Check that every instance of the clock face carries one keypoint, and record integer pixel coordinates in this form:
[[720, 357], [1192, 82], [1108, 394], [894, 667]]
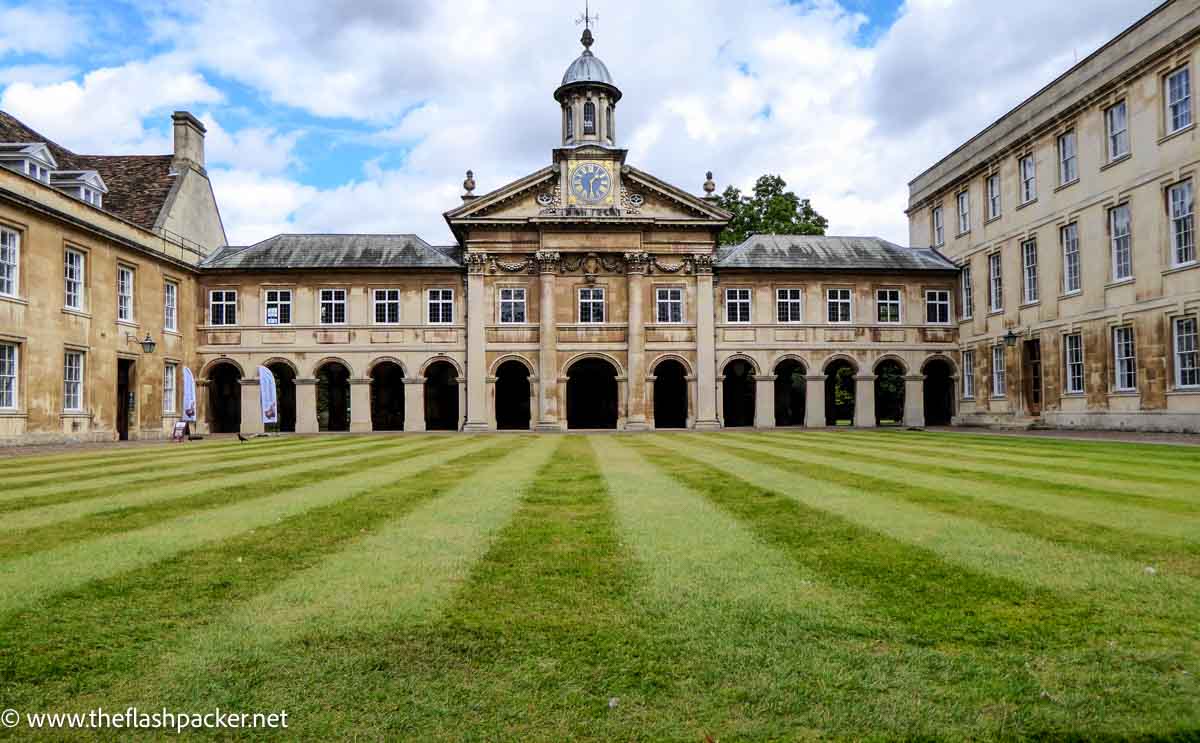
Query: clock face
[[590, 182]]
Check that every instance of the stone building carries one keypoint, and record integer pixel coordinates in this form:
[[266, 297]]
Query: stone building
[[1072, 218]]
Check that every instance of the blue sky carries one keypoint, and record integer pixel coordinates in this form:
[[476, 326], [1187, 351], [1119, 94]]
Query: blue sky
[[363, 116]]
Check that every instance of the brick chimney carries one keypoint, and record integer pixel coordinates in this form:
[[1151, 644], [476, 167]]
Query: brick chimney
[[189, 141]]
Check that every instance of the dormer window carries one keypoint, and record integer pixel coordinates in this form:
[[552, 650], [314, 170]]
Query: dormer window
[[37, 172], [589, 118], [31, 159], [92, 197], [85, 185]]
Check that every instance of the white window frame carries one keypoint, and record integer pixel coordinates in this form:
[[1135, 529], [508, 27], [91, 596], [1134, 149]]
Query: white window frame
[[1073, 369], [10, 376], [171, 306], [10, 262], [281, 305], [999, 372], [443, 299], [995, 283], [789, 304], [594, 299], [938, 222], [1068, 238], [1177, 93], [1029, 271], [73, 376], [889, 298], [74, 279], [1121, 244], [1186, 337], [967, 292], [1116, 131], [668, 305], [844, 298], [228, 301], [515, 298], [334, 298], [1068, 157], [386, 299], [1181, 202], [964, 212], [968, 375], [994, 196], [1027, 167], [738, 298], [125, 282], [169, 387], [939, 301], [1124, 359]]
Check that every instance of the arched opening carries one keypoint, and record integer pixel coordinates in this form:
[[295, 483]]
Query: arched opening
[[939, 392], [387, 397], [839, 393], [670, 395], [738, 393], [512, 396], [224, 399], [441, 397], [789, 393], [333, 397], [285, 396], [592, 394], [889, 393], [589, 118]]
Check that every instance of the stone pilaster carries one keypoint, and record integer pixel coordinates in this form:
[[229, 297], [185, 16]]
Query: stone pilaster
[[476, 413], [764, 400], [546, 414], [914, 401], [306, 406], [706, 351], [201, 425], [414, 404], [360, 406], [864, 401], [252, 422], [814, 401], [635, 268]]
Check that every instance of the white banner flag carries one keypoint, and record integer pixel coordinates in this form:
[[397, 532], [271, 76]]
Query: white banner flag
[[266, 391], [189, 396]]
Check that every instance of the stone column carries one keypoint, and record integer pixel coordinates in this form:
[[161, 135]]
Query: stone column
[[814, 401], [623, 393], [764, 400], [476, 412], [635, 266], [706, 350], [864, 401], [546, 412], [201, 424], [414, 403], [360, 406], [648, 389], [306, 406], [462, 401], [252, 421], [914, 401], [691, 390]]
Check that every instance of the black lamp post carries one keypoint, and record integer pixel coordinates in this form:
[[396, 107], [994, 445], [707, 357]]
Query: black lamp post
[[147, 343], [1010, 339]]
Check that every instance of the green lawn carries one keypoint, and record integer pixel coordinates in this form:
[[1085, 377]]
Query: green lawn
[[743, 586]]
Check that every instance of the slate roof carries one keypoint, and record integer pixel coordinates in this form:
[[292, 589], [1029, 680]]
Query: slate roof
[[828, 253], [335, 251], [138, 185]]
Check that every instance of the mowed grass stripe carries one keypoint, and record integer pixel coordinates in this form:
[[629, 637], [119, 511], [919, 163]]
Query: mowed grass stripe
[[231, 451], [1147, 470], [1123, 452], [1017, 577], [29, 579], [150, 609], [403, 572], [1167, 498], [52, 527], [155, 479], [1135, 534]]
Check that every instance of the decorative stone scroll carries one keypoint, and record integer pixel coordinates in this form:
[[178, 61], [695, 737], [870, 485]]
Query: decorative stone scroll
[[631, 203], [477, 262], [638, 263], [547, 261]]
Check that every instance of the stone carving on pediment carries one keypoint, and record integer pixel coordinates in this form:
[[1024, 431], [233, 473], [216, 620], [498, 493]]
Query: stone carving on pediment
[[591, 264], [631, 201], [550, 200]]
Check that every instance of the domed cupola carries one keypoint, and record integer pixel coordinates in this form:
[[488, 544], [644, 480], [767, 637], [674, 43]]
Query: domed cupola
[[588, 98]]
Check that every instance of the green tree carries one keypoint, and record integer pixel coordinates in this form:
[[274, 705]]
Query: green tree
[[771, 210]]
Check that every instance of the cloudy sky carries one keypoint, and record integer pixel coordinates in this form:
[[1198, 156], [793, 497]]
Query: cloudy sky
[[362, 116]]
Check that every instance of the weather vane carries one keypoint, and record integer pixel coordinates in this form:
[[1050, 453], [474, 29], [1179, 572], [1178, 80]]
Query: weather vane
[[587, 19]]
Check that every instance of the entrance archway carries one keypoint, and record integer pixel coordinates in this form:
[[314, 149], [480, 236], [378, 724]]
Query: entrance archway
[[737, 393], [285, 395], [670, 395], [387, 397], [592, 394], [441, 397], [939, 392], [512, 396], [789, 393], [224, 399], [839, 393], [333, 397], [889, 393]]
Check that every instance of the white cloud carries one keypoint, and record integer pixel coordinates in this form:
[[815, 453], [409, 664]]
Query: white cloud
[[259, 149], [36, 74], [44, 31]]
